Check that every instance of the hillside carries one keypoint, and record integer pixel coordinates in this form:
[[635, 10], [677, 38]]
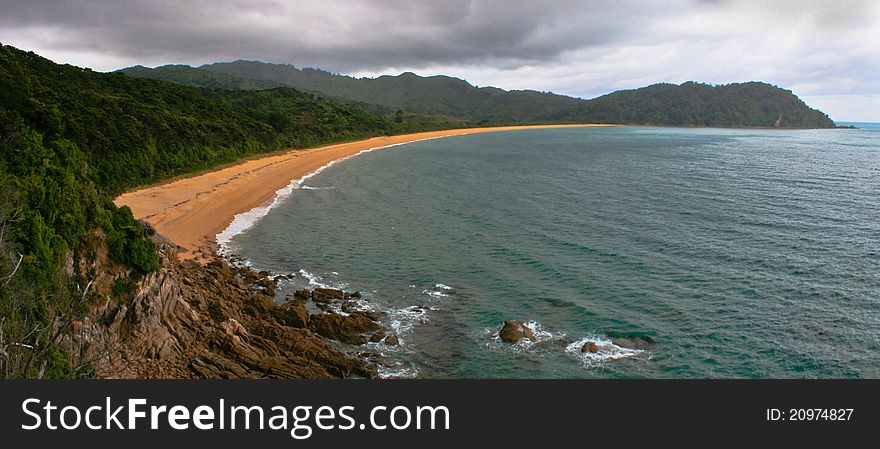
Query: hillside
[[750, 104], [72, 139], [190, 76]]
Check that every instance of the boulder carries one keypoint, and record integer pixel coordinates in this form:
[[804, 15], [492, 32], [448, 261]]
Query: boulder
[[348, 306], [590, 347], [350, 328], [327, 294], [303, 294], [515, 330], [294, 314], [266, 283], [633, 342], [374, 315], [392, 340]]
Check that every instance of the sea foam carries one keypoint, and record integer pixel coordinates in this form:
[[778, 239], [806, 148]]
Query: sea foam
[[606, 351]]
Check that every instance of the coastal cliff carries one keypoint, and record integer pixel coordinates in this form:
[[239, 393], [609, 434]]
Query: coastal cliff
[[200, 321], [85, 291]]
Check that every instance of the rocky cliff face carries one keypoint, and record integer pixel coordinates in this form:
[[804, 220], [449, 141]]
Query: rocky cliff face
[[192, 321]]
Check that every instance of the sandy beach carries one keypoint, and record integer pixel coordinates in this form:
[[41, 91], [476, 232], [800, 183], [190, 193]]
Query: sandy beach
[[192, 211]]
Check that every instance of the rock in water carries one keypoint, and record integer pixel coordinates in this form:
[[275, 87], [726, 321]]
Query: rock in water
[[633, 342], [327, 294], [590, 347], [352, 328], [515, 330], [392, 340], [303, 294]]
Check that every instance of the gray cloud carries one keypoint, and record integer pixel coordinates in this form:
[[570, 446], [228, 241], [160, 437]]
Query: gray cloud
[[338, 35], [821, 49]]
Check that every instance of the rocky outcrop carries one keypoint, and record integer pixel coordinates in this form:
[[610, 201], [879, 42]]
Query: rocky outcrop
[[294, 313], [631, 341], [354, 328], [212, 321], [514, 331], [324, 298]]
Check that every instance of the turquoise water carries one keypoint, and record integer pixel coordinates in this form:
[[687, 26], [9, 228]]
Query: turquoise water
[[744, 253]]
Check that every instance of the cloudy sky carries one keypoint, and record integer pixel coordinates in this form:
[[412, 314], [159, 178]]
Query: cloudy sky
[[825, 51]]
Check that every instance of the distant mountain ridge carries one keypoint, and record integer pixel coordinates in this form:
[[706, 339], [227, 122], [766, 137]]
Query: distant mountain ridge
[[751, 104]]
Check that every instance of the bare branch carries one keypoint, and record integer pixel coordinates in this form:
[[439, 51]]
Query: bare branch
[[18, 264], [86, 292]]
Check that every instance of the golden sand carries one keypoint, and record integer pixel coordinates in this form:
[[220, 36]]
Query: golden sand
[[192, 211]]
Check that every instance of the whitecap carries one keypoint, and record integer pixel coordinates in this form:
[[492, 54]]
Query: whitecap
[[400, 321], [314, 280], [607, 351], [399, 371], [435, 294], [542, 335]]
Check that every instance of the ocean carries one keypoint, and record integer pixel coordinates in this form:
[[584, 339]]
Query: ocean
[[742, 253]]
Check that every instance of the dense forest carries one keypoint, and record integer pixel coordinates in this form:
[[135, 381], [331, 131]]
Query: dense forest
[[190, 76], [751, 104], [71, 139], [693, 104]]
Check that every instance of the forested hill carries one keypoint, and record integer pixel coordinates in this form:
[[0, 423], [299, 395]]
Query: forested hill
[[751, 104], [436, 95], [71, 139], [190, 76]]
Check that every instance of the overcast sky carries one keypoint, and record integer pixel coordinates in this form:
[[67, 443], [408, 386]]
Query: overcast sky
[[827, 52]]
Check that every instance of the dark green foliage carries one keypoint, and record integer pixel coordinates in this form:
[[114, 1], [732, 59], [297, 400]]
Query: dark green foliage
[[128, 243], [433, 96], [689, 104], [693, 104], [72, 139], [189, 76]]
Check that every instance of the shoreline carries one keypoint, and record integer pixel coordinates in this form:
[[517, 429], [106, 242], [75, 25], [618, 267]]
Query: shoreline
[[193, 212]]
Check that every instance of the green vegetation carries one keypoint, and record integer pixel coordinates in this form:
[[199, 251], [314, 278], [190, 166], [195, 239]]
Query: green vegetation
[[189, 76], [72, 139], [688, 104], [693, 104]]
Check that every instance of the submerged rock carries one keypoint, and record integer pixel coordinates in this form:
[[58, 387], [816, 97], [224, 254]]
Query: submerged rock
[[515, 330], [631, 341]]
